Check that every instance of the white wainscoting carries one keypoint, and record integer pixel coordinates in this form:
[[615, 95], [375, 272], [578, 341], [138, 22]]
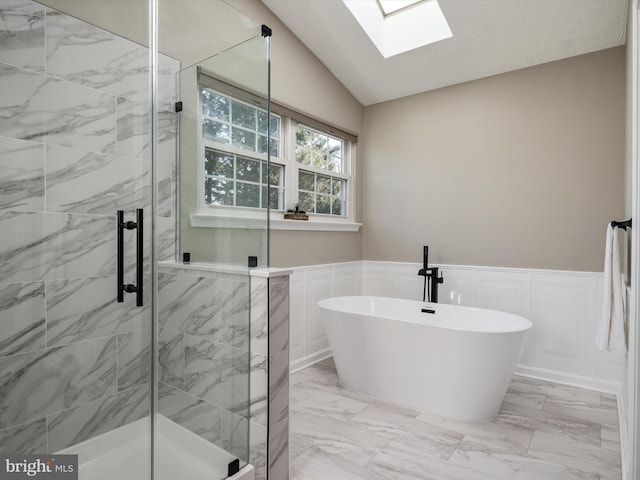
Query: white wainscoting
[[307, 286], [562, 305]]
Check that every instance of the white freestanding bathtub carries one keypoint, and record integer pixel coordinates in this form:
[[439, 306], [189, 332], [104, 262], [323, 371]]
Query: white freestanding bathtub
[[456, 362]]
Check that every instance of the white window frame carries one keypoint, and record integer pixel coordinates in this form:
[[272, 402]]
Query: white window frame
[[227, 216], [204, 143], [295, 167]]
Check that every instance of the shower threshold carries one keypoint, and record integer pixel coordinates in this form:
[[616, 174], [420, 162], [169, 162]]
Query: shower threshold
[[124, 454]]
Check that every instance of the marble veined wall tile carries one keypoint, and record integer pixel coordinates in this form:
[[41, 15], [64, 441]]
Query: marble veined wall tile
[[134, 135], [236, 305], [171, 357], [22, 327], [134, 358], [258, 449], [43, 109], [134, 141], [192, 413], [189, 304], [258, 389], [259, 304], [22, 34], [22, 180], [38, 246], [87, 55], [278, 387], [39, 383], [168, 69], [166, 238], [86, 182], [81, 423], [278, 315], [217, 373], [167, 160], [279, 450], [27, 438], [234, 431], [84, 308]]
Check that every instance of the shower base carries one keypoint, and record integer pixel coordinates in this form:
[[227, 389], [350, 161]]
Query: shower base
[[123, 454]]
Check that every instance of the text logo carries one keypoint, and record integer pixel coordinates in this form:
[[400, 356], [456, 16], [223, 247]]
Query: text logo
[[51, 467]]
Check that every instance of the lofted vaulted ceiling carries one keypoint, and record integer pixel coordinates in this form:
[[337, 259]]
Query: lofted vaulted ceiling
[[489, 37]]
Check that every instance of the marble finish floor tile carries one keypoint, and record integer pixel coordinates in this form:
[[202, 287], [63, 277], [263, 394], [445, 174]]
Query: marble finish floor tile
[[309, 398], [553, 423], [544, 431], [352, 442], [610, 437]]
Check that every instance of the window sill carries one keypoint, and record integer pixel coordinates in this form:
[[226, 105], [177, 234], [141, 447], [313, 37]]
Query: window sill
[[249, 220]]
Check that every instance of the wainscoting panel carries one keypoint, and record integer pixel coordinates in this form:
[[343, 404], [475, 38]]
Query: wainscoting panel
[[562, 312], [563, 306], [297, 311], [320, 284]]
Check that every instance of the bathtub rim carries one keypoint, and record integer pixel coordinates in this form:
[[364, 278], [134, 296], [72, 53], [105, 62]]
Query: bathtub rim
[[322, 305]]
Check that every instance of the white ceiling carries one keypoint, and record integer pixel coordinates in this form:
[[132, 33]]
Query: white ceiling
[[489, 37]]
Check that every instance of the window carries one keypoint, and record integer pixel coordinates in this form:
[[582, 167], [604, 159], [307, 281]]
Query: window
[[310, 165], [319, 156], [234, 135]]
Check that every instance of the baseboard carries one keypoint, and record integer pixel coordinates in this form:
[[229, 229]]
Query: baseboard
[[309, 360], [625, 452], [590, 383]]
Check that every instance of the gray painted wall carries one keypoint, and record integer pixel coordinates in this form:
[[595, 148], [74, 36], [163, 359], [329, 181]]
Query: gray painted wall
[[522, 169]]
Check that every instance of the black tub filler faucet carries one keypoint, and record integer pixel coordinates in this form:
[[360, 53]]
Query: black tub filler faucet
[[430, 273]]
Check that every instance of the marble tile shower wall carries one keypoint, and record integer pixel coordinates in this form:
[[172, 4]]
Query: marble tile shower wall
[[74, 147], [204, 356]]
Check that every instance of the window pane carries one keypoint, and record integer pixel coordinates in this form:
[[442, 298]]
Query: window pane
[[338, 186], [335, 147], [323, 204], [262, 122], [334, 164], [248, 195], [218, 132], [275, 148], [323, 184], [262, 145], [303, 139], [306, 181], [214, 105], [218, 192], [275, 194], [319, 150], [248, 169], [275, 174], [243, 115], [336, 206], [306, 201], [218, 163], [302, 155], [274, 127], [244, 139]]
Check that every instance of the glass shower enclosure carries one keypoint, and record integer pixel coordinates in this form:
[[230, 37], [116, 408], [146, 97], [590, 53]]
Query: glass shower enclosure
[[111, 349]]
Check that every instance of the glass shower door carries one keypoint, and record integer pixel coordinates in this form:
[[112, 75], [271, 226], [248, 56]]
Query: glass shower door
[[74, 149]]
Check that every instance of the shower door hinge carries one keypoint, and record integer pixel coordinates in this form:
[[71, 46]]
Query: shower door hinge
[[266, 31], [233, 468], [178, 107]]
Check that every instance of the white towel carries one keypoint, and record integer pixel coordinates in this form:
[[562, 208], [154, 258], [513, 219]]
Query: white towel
[[611, 334]]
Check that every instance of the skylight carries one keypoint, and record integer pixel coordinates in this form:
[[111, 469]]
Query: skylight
[[395, 28], [392, 6]]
